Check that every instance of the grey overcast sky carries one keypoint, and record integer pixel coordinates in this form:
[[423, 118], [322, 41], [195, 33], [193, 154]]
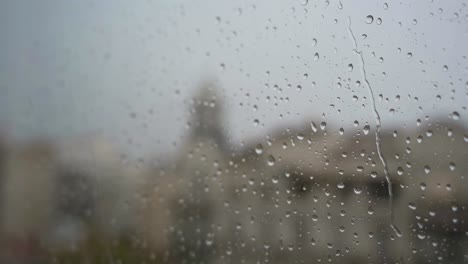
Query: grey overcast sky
[[127, 69]]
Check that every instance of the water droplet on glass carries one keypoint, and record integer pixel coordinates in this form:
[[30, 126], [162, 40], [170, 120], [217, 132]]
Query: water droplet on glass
[[316, 56], [369, 19], [357, 190], [323, 125], [271, 160], [452, 166], [350, 67], [259, 149], [427, 169], [313, 126], [366, 129]]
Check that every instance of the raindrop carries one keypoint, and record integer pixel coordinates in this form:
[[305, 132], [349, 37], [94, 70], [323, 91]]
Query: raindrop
[[366, 129], [445, 68], [300, 136], [350, 67], [275, 179], [313, 126], [422, 185], [452, 166], [421, 236], [316, 56], [369, 19], [259, 149], [427, 169], [357, 190], [323, 125], [271, 160]]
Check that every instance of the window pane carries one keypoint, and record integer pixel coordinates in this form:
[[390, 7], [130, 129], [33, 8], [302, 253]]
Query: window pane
[[233, 132]]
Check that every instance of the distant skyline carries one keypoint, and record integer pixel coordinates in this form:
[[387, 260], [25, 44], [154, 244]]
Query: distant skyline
[[129, 69]]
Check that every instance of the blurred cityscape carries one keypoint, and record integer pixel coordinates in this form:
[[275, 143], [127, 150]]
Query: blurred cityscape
[[314, 193]]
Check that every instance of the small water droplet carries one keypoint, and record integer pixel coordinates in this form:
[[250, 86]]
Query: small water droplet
[[323, 125], [316, 56], [452, 166], [357, 190], [271, 160], [259, 149], [366, 129], [313, 126], [427, 169]]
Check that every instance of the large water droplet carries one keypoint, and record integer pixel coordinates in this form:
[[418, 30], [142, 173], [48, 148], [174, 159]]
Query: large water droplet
[[369, 19]]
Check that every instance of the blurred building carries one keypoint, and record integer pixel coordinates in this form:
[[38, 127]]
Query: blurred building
[[315, 192], [55, 198]]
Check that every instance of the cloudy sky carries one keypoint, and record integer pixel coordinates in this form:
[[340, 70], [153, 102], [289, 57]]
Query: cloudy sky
[[127, 69]]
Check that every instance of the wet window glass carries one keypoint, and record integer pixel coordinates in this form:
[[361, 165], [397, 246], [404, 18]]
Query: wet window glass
[[302, 131]]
